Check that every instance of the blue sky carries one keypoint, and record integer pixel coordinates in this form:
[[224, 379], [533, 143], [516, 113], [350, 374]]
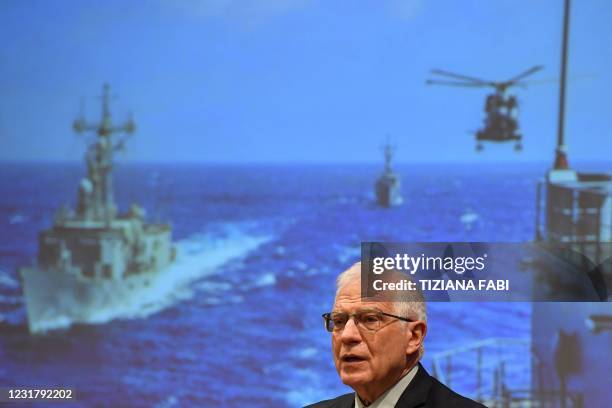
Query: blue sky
[[245, 81]]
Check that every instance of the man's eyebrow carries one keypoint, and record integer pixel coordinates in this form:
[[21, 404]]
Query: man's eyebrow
[[360, 310], [369, 309]]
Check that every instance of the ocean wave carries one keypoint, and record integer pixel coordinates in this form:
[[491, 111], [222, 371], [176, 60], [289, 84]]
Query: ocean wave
[[267, 279], [170, 401], [56, 322], [306, 353], [223, 300], [12, 319], [8, 281], [17, 218], [10, 300], [469, 217], [315, 390]]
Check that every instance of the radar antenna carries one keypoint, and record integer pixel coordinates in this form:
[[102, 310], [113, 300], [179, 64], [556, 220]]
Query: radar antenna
[[388, 151], [96, 202]]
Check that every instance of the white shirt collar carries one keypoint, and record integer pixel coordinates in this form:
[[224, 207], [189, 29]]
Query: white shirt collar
[[393, 394]]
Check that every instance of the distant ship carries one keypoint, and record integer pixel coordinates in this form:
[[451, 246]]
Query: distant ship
[[94, 259], [388, 185]]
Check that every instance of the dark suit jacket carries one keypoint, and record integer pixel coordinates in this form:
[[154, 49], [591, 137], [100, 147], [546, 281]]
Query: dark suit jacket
[[423, 391]]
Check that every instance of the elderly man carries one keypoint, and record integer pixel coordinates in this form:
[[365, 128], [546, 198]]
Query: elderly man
[[377, 344]]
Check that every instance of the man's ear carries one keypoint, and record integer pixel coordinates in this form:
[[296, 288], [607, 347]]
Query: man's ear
[[416, 336]]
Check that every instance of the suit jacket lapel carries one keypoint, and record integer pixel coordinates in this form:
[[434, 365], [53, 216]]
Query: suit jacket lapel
[[417, 391], [349, 403], [345, 401]]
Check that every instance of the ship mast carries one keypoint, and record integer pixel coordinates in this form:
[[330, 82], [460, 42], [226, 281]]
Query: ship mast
[[96, 201], [561, 162], [388, 151]]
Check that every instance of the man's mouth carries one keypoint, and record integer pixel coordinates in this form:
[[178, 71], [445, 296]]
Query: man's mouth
[[352, 358]]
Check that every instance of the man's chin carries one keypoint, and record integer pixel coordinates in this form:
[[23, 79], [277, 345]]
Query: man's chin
[[352, 377]]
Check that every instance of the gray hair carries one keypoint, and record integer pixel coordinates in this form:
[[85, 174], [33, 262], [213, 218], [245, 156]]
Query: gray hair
[[409, 304]]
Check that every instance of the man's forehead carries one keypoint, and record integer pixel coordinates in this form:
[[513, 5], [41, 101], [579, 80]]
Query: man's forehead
[[356, 301], [350, 294]]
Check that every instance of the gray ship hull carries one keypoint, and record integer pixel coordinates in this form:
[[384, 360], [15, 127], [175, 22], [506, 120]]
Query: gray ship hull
[[388, 191], [57, 299]]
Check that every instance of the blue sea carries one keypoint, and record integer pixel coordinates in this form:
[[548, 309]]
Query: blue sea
[[259, 246]]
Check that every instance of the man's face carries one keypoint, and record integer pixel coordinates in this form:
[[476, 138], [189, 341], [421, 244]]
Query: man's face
[[368, 360]]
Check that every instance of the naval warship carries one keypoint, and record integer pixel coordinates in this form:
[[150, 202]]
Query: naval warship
[[388, 185], [93, 258]]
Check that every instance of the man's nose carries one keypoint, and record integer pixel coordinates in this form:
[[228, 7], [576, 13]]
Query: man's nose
[[351, 333]]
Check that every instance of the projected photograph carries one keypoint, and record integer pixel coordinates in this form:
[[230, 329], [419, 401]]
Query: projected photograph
[[192, 194]]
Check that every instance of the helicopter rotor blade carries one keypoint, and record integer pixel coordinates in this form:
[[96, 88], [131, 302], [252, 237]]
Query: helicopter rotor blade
[[525, 84], [453, 83], [522, 75], [553, 80], [458, 76]]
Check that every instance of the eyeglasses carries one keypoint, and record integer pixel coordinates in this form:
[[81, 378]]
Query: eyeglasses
[[369, 319]]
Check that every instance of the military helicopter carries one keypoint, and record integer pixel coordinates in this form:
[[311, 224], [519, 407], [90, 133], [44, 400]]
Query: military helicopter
[[501, 122]]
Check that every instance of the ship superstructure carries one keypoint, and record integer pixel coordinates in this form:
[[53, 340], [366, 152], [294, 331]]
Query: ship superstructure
[[94, 258], [576, 213]]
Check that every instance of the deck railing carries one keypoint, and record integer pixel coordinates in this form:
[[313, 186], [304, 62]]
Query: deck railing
[[578, 217], [497, 373]]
